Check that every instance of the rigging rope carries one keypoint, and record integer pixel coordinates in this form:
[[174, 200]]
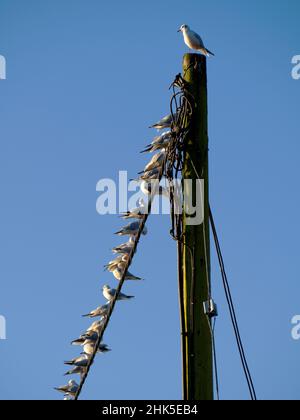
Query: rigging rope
[[231, 306], [232, 311]]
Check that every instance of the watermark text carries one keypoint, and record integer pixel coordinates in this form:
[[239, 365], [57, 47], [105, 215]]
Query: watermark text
[[296, 68], [186, 195], [296, 327]]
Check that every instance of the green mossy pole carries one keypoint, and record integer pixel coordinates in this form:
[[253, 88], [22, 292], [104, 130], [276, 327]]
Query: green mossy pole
[[196, 249]]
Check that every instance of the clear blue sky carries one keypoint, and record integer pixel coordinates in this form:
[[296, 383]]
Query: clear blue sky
[[84, 81]]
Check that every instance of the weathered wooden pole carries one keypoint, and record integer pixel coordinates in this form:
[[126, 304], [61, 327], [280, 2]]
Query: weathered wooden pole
[[198, 381]]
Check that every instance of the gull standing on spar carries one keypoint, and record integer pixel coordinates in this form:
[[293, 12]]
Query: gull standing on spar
[[193, 40]]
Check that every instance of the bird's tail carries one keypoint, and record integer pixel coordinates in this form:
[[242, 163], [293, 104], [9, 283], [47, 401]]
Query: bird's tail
[[76, 342], [70, 372], [147, 149], [60, 390], [209, 52]]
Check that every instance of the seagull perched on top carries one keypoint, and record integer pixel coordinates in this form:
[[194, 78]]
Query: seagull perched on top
[[193, 40]]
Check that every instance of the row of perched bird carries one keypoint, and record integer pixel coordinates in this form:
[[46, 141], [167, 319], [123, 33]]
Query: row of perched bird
[[149, 179]]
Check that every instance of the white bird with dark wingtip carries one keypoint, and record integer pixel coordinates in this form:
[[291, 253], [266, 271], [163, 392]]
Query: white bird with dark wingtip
[[136, 213], [96, 326], [89, 348], [109, 294], [159, 142], [165, 122], [100, 311], [132, 229], [77, 370], [119, 271], [153, 174], [124, 249], [156, 162], [70, 389], [89, 335], [112, 265], [81, 361], [193, 40]]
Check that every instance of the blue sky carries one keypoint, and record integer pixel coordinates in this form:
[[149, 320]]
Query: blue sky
[[84, 81]]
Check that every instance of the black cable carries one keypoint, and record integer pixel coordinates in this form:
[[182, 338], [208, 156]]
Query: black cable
[[215, 360], [232, 311], [233, 316], [181, 306]]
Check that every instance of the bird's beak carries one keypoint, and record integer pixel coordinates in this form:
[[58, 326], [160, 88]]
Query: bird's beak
[[179, 30]]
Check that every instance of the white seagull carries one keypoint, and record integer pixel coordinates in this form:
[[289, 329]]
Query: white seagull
[[159, 142], [112, 265], [101, 311], [119, 271], [81, 361], [109, 294], [149, 175], [89, 348], [132, 229], [89, 335], [77, 370], [156, 161], [70, 389], [96, 326], [136, 213], [194, 41], [124, 249], [165, 122]]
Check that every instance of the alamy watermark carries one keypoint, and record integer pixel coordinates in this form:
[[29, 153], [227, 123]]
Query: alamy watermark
[[114, 197], [2, 67], [296, 68], [2, 328]]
